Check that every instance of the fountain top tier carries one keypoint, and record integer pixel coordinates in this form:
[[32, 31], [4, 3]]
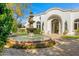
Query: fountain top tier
[[31, 21]]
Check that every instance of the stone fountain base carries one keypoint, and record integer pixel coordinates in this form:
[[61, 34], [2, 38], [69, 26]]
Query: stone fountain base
[[31, 35]]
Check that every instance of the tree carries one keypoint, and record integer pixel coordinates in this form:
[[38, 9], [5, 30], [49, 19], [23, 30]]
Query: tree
[[6, 21], [17, 8], [14, 26]]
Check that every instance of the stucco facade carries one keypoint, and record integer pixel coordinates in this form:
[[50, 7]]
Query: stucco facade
[[56, 20]]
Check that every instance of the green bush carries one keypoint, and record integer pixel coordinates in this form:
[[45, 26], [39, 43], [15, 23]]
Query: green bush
[[34, 30], [31, 30], [37, 31], [6, 20], [21, 31]]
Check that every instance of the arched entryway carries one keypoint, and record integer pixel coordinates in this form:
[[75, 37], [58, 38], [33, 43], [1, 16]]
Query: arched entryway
[[56, 24]]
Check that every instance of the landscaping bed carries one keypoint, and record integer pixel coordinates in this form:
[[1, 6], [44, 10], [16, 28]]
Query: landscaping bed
[[30, 44]]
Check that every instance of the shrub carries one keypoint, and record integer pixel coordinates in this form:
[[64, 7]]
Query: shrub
[[37, 31], [21, 31], [34, 30], [31, 30], [6, 20], [77, 31]]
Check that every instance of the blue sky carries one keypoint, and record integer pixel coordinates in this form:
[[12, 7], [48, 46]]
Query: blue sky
[[42, 7]]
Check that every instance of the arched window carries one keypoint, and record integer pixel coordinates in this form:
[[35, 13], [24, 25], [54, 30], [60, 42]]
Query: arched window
[[39, 25], [66, 26], [76, 24]]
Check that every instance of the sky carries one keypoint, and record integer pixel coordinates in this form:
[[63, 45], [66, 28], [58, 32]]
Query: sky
[[37, 8]]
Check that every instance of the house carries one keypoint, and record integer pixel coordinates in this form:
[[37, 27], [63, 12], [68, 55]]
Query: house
[[56, 20]]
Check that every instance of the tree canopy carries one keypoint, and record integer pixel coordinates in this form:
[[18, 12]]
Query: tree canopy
[[6, 21], [17, 7]]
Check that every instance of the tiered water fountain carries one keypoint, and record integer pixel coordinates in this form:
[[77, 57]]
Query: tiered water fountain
[[33, 40]]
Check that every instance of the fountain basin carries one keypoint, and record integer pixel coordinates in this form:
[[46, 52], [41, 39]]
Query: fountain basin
[[37, 41], [35, 37]]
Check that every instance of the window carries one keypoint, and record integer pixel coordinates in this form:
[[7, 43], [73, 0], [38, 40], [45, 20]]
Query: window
[[39, 25], [66, 25], [76, 24]]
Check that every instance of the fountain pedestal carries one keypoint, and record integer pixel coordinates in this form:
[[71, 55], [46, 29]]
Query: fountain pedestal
[[31, 35], [31, 28]]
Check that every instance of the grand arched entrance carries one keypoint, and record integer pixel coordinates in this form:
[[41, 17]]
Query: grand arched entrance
[[56, 24]]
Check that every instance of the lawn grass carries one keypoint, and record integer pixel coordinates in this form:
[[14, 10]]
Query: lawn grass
[[21, 33], [71, 37]]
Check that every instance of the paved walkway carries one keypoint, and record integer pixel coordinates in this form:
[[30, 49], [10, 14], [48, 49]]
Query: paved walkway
[[64, 47]]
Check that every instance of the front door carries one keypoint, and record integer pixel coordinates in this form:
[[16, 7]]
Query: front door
[[55, 26]]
